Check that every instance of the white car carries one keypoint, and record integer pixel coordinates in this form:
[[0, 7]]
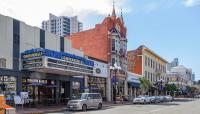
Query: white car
[[142, 100], [168, 98], [85, 101]]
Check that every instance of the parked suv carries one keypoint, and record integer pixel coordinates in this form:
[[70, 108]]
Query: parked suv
[[85, 101]]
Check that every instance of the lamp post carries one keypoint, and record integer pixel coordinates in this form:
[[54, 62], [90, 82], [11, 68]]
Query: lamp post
[[114, 68]]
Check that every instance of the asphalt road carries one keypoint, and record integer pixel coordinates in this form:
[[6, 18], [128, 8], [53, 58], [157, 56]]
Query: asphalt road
[[181, 106]]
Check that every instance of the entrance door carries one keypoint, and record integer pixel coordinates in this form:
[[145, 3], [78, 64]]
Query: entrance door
[[65, 89]]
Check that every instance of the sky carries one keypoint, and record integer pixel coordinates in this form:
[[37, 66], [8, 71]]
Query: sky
[[171, 28]]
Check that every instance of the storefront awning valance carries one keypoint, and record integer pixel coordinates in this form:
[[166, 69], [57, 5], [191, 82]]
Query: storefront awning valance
[[134, 84]]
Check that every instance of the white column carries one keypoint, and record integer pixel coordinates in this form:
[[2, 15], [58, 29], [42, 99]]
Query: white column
[[86, 82], [108, 88], [126, 88], [134, 92], [131, 93]]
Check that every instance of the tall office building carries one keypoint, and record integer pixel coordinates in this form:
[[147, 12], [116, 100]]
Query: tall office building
[[172, 64], [62, 25]]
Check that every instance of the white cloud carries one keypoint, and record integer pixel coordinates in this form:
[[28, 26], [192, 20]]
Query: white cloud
[[190, 3], [34, 11]]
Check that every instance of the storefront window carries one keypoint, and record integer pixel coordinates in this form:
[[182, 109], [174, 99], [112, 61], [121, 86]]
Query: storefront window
[[8, 86], [75, 88], [97, 85], [39, 90]]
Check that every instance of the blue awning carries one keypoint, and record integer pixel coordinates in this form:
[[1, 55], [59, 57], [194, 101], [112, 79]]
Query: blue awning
[[134, 84]]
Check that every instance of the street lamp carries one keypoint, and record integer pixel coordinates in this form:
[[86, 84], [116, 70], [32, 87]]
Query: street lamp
[[114, 68]]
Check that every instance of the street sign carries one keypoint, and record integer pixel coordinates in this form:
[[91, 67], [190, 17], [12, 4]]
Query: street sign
[[114, 80]]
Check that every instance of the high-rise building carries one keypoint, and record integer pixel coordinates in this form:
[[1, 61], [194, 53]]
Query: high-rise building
[[193, 76], [172, 64], [62, 25]]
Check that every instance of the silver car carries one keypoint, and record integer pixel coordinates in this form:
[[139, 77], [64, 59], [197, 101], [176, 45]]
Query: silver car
[[85, 101], [168, 98], [142, 100]]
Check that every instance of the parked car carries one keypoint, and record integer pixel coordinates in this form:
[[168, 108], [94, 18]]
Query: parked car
[[161, 98], [141, 100], [85, 101], [168, 98], [197, 96], [154, 99]]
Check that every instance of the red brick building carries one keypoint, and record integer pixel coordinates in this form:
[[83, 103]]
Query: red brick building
[[96, 42], [135, 61], [106, 42], [147, 63]]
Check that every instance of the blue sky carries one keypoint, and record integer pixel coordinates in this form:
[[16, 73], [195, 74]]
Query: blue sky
[[171, 28]]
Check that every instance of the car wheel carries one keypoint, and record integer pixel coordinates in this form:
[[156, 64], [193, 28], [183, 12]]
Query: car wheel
[[100, 106], [84, 107]]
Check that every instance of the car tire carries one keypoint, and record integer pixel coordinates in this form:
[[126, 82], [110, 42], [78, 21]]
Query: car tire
[[100, 106], [84, 107]]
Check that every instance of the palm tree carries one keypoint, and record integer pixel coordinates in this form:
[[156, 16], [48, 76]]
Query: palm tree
[[145, 85]]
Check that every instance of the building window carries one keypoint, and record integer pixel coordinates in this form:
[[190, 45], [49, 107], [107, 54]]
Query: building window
[[148, 76], [61, 44], [113, 61], [42, 38], [113, 44], [16, 44], [153, 64], [145, 60], [145, 74]]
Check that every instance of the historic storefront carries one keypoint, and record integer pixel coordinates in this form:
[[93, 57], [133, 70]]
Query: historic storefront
[[97, 82], [50, 74], [133, 85]]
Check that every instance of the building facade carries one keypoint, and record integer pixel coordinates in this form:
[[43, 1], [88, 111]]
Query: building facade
[[177, 79], [133, 85], [106, 42], [62, 25], [44, 64], [147, 63], [186, 72], [172, 64]]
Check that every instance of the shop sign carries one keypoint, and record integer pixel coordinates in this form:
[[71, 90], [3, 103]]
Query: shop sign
[[54, 54], [32, 55]]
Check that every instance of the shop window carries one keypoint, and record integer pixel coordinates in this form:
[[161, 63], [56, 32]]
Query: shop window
[[8, 86]]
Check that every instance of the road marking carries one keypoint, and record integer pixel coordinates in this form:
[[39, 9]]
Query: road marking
[[154, 110]]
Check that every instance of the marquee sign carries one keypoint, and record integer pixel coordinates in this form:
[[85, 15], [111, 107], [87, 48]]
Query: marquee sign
[[39, 52]]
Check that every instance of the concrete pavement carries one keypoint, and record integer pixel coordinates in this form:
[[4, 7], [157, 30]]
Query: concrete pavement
[[180, 106]]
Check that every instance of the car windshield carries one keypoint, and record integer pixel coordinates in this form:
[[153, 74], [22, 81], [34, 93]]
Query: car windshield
[[140, 97], [79, 96]]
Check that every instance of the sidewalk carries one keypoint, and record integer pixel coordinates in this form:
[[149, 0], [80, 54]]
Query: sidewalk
[[56, 108], [40, 109]]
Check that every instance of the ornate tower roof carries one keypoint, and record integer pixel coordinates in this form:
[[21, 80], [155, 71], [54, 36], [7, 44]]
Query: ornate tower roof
[[121, 18], [113, 11]]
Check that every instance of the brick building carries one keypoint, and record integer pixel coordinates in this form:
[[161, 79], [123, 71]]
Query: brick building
[[106, 42], [147, 63]]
